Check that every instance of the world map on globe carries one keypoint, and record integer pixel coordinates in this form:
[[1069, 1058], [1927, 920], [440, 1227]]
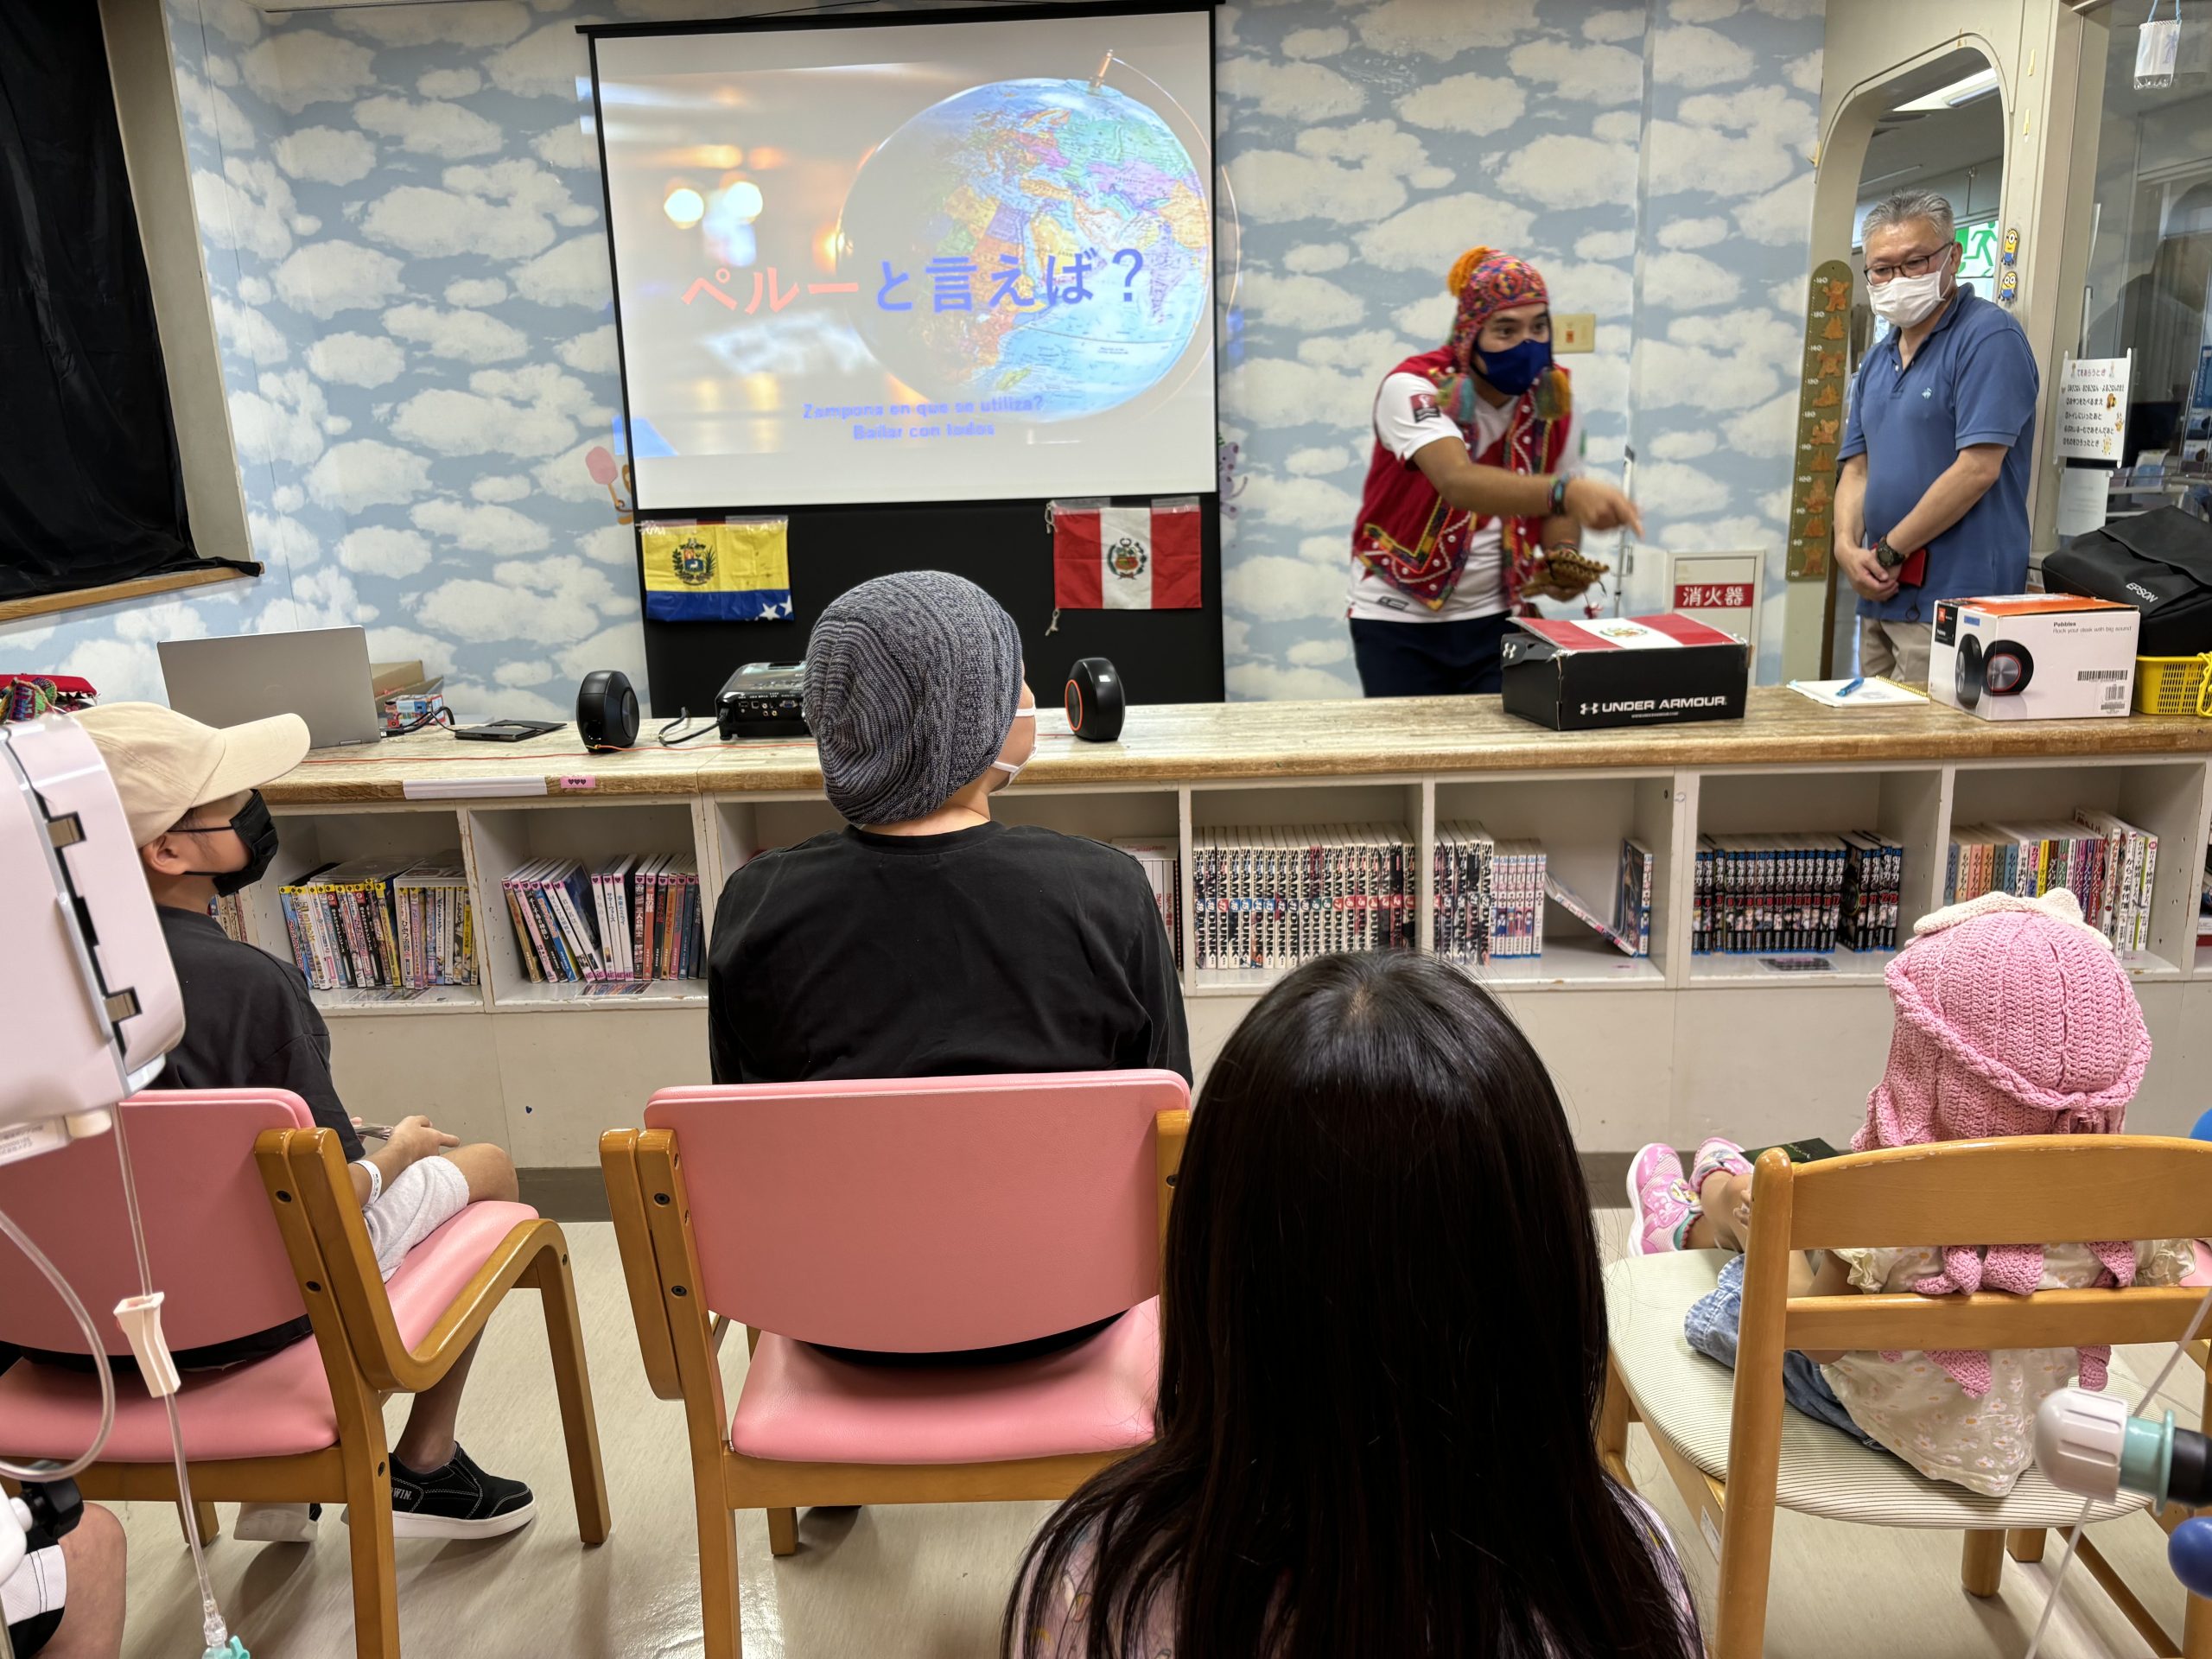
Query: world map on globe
[[1003, 208]]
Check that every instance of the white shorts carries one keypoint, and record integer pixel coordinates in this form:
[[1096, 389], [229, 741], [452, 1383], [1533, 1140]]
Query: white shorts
[[39, 1585], [422, 1197]]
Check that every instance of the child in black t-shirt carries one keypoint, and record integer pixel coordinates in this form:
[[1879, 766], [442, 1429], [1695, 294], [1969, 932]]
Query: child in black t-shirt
[[191, 793], [925, 939]]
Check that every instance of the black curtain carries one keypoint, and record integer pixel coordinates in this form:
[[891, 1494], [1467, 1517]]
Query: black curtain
[[90, 489]]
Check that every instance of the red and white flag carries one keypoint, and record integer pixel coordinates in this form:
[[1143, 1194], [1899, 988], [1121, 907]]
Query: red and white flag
[[1126, 558]]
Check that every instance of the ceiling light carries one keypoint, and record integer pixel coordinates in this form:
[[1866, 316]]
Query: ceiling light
[[1979, 84], [684, 207]]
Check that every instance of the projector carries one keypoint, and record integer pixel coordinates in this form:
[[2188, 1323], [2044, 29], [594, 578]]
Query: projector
[[762, 700]]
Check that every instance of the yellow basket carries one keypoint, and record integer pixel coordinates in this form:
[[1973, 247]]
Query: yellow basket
[[2174, 685]]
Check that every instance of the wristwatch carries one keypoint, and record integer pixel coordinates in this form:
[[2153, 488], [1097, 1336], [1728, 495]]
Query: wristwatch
[[1887, 556]]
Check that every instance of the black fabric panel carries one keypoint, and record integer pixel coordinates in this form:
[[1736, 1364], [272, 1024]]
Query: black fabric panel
[[1004, 548], [89, 490]]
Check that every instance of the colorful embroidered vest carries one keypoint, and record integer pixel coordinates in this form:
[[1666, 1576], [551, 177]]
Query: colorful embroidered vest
[[1413, 539]]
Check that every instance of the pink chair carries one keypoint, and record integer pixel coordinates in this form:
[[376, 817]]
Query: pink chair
[[924, 1216], [250, 1222]]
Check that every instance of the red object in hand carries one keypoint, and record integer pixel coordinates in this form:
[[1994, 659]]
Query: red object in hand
[[1914, 571]]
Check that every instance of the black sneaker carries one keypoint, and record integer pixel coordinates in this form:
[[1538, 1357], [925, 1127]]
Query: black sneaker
[[458, 1501]]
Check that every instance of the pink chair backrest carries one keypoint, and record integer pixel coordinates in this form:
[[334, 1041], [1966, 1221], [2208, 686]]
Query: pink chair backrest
[[926, 1215], [217, 1256]]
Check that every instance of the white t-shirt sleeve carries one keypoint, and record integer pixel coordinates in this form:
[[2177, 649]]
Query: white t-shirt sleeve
[[1408, 416], [1570, 458]]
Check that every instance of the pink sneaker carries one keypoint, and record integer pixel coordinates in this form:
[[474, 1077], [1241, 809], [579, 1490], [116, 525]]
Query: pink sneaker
[[1663, 1201], [1714, 1155]]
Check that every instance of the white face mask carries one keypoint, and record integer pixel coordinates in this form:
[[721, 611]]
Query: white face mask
[[1012, 768], [1903, 301]]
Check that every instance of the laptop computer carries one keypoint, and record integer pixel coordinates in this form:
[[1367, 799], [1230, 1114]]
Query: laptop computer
[[320, 674]]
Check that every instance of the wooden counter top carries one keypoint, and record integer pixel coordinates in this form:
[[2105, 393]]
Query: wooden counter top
[[1203, 743]]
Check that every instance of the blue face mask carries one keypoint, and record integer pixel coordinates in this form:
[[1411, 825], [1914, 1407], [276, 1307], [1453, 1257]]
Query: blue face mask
[[1517, 368]]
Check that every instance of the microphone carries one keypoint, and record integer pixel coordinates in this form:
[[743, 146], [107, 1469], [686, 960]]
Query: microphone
[[2089, 1444]]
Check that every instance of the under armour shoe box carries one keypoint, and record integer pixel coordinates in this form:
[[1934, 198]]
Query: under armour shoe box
[[1642, 670], [2034, 657]]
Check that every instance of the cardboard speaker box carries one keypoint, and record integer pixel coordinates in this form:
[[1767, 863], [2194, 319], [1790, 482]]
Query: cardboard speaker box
[[1642, 670], [2034, 657]]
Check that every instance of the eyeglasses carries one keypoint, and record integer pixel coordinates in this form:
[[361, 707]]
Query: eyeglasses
[[1919, 265]]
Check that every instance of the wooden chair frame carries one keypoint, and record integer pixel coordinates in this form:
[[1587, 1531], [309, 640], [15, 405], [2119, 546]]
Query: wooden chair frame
[[312, 1196], [2033, 1190], [679, 1338]]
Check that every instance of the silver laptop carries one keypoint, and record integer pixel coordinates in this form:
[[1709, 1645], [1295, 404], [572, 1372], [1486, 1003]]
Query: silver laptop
[[320, 674]]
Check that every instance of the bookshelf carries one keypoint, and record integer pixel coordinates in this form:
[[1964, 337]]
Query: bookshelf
[[312, 839], [1581, 822], [1669, 1046], [502, 842], [1907, 806]]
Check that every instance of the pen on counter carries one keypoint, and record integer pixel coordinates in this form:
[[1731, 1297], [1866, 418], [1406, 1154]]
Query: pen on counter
[[1853, 687]]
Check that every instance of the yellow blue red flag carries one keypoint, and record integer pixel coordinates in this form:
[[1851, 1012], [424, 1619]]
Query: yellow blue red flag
[[716, 569]]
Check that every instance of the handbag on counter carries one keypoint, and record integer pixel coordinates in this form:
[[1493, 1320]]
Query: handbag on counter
[[2158, 561]]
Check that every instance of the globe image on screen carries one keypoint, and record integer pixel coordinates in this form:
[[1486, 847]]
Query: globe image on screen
[[1043, 182]]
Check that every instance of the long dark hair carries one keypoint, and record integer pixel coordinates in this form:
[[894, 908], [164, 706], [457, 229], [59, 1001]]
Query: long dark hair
[[1383, 1357]]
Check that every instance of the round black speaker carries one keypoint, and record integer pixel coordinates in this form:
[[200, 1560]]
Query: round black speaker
[[2006, 668], [1967, 682], [607, 710], [1093, 700]]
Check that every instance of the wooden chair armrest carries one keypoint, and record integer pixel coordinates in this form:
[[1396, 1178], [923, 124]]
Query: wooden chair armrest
[[315, 1168], [1169, 1129], [625, 1200]]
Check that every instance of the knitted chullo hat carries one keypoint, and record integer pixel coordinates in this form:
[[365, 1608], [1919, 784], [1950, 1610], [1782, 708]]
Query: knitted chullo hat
[[2013, 1018], [911, 684], [1485, 281]]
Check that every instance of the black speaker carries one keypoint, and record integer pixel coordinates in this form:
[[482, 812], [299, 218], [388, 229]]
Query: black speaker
[[2002, 669], [607, 710], [2006, 668], [1093, 701], [1966, 681]]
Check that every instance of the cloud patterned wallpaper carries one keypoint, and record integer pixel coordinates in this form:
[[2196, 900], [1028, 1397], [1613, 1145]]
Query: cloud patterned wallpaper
[[399, 211]]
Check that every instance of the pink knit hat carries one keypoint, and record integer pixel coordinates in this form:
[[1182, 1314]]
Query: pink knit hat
[[2013, 1018]]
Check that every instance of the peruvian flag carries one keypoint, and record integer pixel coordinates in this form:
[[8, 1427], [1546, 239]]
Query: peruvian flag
[[1126, 558]]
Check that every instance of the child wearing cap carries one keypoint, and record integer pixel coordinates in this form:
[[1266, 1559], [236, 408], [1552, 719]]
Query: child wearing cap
[[191, 793], [2013, 1018]]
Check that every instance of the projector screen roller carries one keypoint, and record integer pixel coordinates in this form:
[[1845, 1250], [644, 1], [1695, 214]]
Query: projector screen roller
[[916, 262]]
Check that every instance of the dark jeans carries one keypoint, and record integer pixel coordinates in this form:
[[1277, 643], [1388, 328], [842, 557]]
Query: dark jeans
[[1428, 660]]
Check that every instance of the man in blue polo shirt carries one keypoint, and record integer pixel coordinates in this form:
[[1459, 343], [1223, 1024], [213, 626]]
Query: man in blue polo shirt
[[1935, 452]]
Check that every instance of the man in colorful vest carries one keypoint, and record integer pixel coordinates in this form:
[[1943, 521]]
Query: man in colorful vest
[[1476, 482]]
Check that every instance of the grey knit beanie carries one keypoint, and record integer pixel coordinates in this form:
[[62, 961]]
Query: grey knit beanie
[[911, 682]]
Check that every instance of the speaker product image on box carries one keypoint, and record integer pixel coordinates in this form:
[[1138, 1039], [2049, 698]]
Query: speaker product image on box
[[2001, 669], [1093, 700], [607, 710], [2006, 668]]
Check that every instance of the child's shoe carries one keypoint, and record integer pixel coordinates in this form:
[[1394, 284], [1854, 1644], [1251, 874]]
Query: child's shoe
[[276, 1523], [1714, 1156], [1665, 1204]]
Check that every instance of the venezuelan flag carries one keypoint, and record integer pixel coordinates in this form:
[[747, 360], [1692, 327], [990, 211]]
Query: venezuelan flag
[[716, 569]]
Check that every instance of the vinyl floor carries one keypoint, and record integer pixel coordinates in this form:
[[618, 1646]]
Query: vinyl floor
[[928, 1582]]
